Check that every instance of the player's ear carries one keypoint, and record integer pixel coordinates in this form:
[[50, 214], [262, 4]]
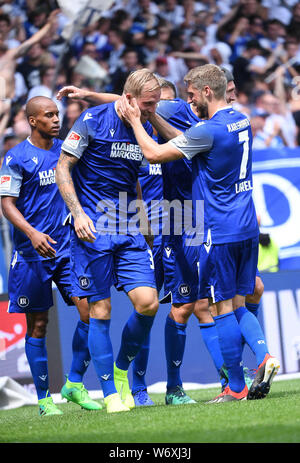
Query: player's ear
[[129, 96], [32, 121]]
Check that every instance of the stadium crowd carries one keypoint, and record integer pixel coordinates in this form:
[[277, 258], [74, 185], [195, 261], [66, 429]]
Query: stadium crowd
[[259, 41]]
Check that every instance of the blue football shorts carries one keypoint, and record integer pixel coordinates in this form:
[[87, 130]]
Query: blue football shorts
[[157, 252], [229, 269], [122, 260], [30, 283], [180, 270]]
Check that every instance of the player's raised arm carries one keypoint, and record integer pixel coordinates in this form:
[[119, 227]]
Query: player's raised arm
[[70, 91], [40, 241], [83, 225], [152, 151]]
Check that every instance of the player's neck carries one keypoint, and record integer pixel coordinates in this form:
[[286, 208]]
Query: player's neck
[[41, 142], [215, 106]]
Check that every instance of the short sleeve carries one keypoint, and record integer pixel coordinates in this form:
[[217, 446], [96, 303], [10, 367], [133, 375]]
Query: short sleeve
[[80, 135], [193, 141], [11, 176]]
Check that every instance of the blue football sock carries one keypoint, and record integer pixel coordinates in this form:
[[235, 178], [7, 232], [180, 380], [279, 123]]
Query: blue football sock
[[81, 353], [230, 339], [134, 334], [175, 336], [36, 353], [101, 351], [211, 340], [252, 332], [139, 367], [254, 308]]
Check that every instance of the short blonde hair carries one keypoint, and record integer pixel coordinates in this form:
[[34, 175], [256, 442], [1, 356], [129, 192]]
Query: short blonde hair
[[137, 80], [210, 75]]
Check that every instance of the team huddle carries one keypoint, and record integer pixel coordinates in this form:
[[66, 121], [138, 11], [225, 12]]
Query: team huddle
[[70, 204]]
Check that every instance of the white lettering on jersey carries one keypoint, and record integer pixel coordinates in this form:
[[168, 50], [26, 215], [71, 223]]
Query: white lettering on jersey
[[243, 186], [154, 169], [47, 177], [238, 125], [126, 151], [73, 140]]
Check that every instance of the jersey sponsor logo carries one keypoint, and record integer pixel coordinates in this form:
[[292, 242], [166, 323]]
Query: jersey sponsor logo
[[87, 116], [126, 150], [243, 186], [35, 160], [184, 290], [112, 132], [106, 377], [73, 140], [5, 182], [155, 169], [43, 377], [47, 177], [23, 301], [84, 282]]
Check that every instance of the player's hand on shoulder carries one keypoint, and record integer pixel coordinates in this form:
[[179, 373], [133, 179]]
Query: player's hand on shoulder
[[40, 241], [84, 228]]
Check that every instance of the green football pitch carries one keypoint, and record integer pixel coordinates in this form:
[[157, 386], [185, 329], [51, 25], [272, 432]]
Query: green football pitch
[[275, 419]]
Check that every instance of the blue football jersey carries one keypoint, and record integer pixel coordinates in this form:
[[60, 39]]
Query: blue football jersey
[[28, 173], [221, 152], [150, 178], [109, 162], [177, 175]]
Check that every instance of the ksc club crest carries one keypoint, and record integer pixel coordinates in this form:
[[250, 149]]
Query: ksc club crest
[[84, 282], [184, 290]]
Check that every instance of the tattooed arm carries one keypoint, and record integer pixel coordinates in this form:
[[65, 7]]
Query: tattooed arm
[[82, 223]]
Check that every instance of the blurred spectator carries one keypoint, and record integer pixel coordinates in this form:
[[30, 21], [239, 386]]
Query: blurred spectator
[[48, 88], [252, 62], [73, 111], [129, 64], [5, 27], [173, 13], [274, 36], [293, 29], [261, 138], [20, 125], [117, 45], [268, 254], [146, 15], [150, 50], [9, 57]]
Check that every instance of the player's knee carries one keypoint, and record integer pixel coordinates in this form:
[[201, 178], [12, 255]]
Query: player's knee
[[259, 288], [83, 309], [258, 292], [37, 325], [148, 307], [182, 312], [201, 311]]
